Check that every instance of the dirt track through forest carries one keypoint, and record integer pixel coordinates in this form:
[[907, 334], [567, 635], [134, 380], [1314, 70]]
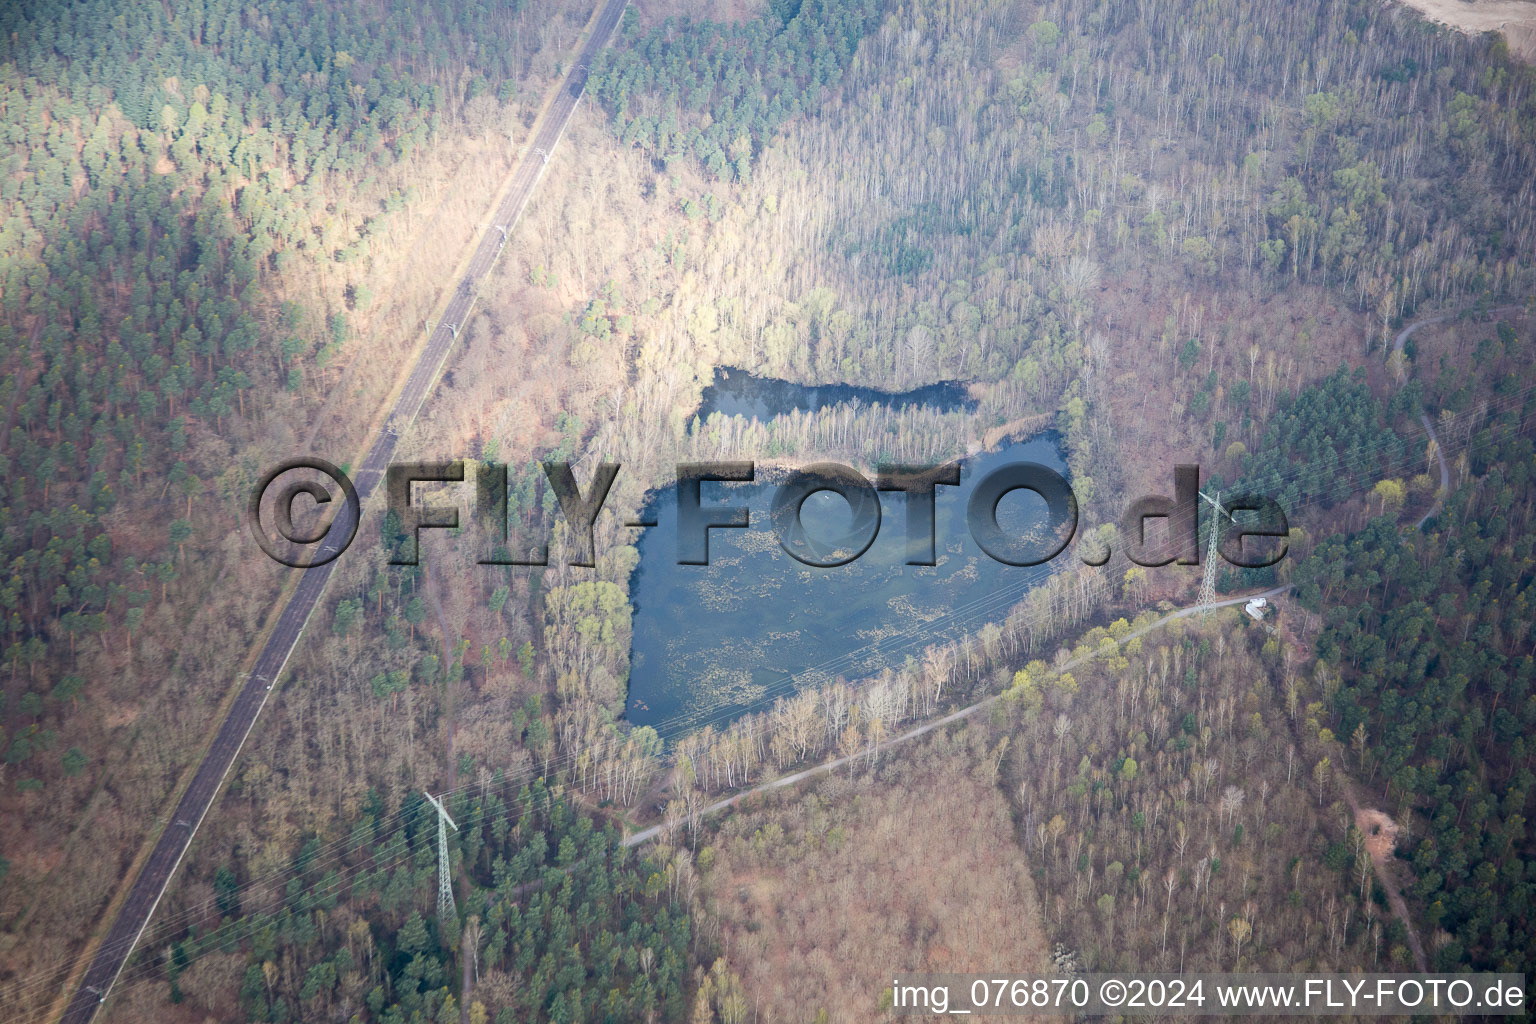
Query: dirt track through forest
[[1380, 842], [647, 834]]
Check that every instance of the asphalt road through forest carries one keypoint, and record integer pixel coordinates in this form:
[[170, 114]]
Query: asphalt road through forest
[[139, 905]]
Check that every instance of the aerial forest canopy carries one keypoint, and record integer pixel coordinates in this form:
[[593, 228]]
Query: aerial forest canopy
[[1163, 232], [735, 84], [196, 204], [1427, 672], [567, 924], [161, 166], [1338, 142]]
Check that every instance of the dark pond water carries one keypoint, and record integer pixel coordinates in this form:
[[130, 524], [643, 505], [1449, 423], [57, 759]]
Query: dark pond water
[[739, 393], [711, 642]]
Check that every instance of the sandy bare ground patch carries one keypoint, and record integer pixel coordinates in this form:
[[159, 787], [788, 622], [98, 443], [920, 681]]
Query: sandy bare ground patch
[[1515, 18], [1380, 832], [1380, 839]]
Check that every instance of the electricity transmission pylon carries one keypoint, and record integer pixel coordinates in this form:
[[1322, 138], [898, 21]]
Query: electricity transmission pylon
[[445, 905], [1208, 583]]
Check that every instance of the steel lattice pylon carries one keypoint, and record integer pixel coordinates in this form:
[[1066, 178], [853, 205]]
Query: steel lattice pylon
[[445, 906], [1208, 581]]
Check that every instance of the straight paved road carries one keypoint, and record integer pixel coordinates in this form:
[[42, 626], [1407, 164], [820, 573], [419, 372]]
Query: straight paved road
[[144, 896]]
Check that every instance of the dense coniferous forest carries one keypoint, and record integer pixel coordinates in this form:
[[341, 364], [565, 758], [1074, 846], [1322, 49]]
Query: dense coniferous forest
[[564, 924], [1340, 437], [736, 84], [1427, 668]]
